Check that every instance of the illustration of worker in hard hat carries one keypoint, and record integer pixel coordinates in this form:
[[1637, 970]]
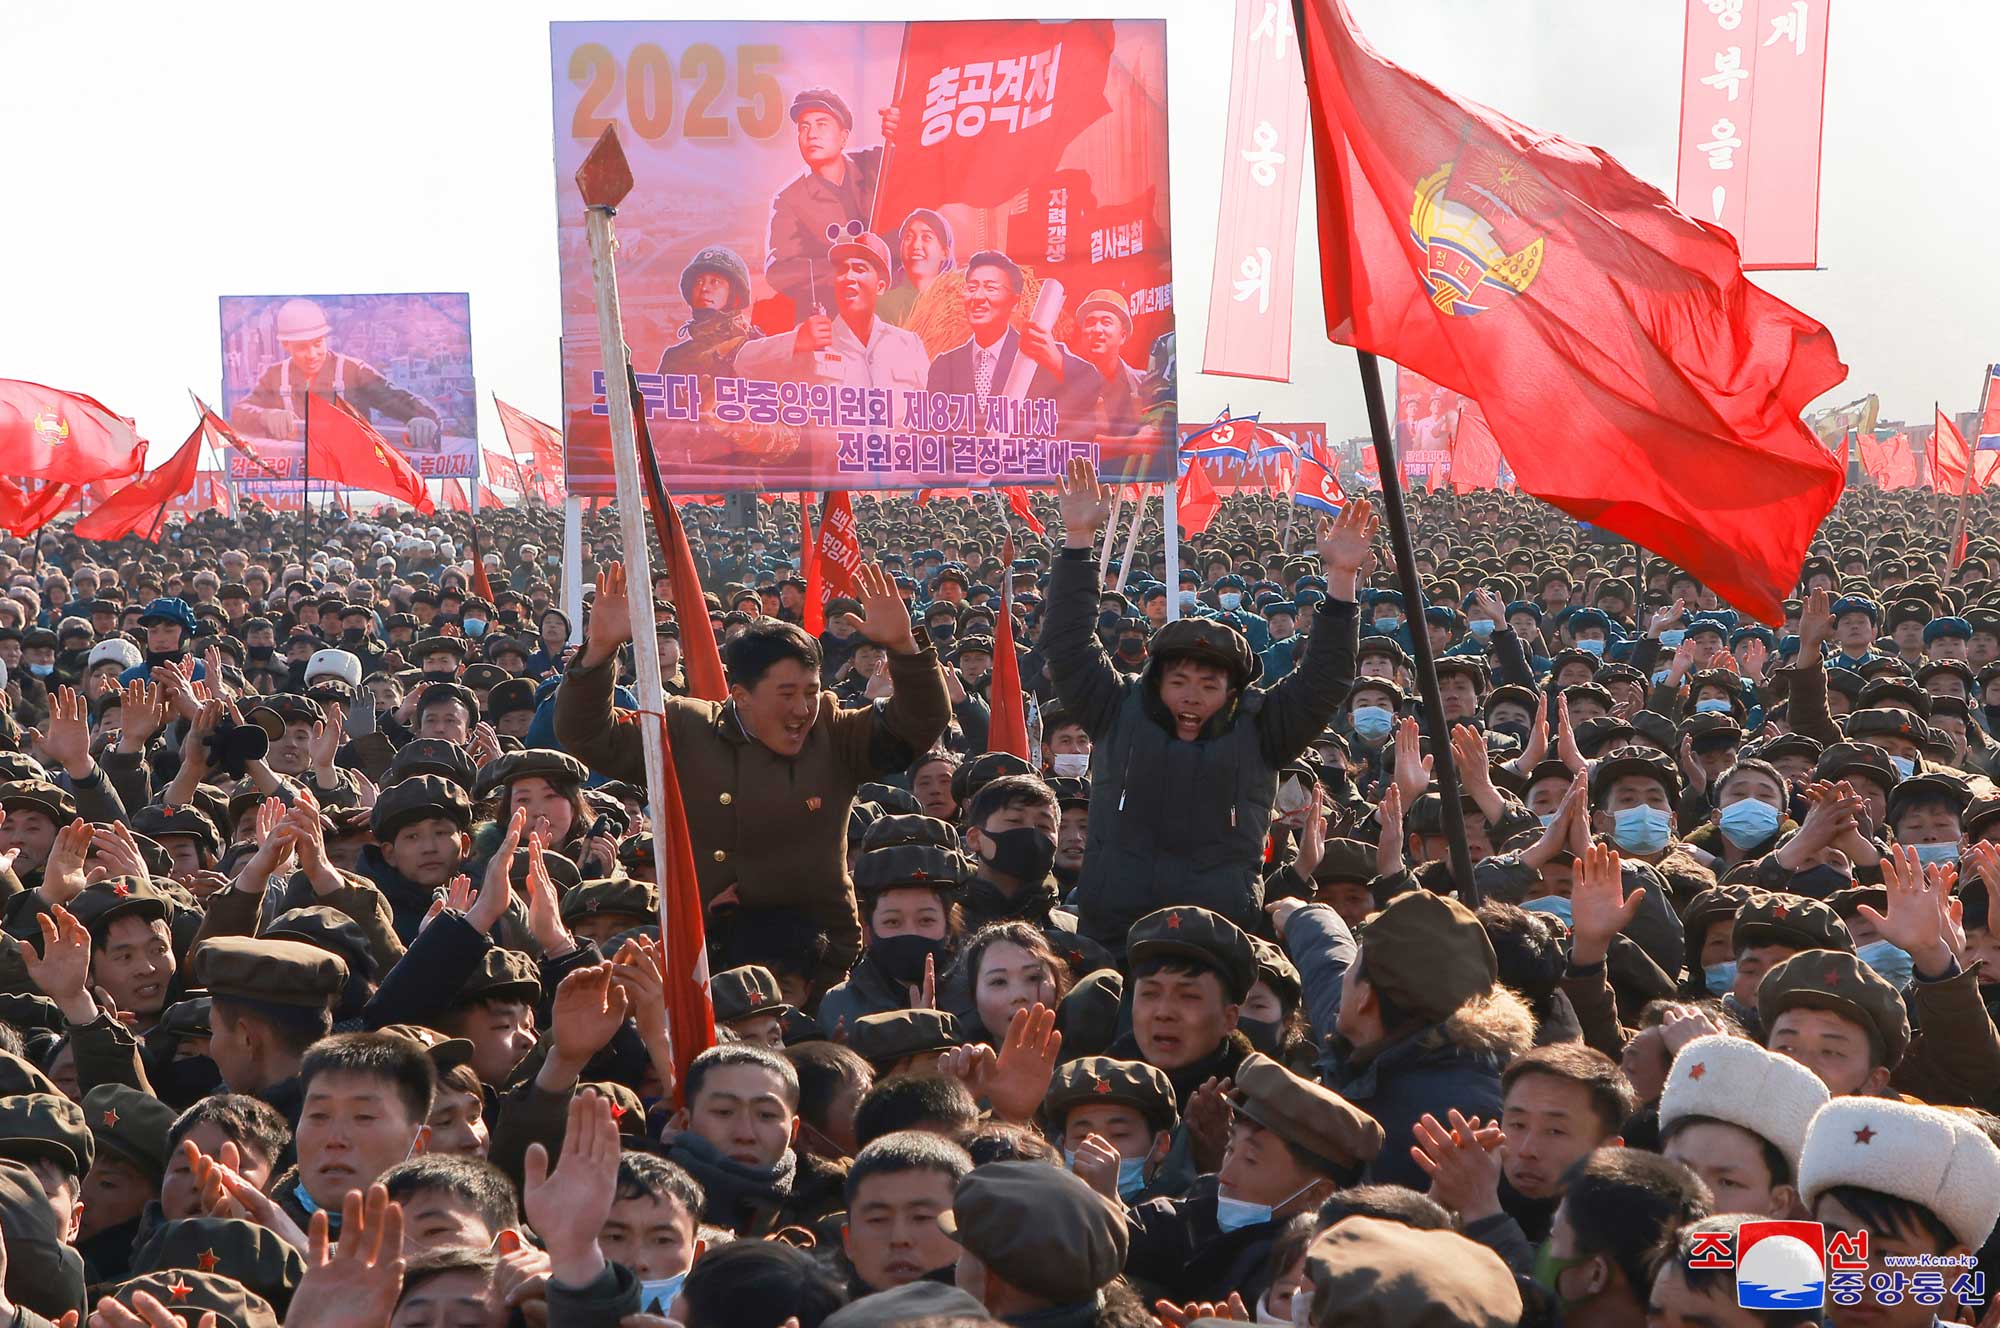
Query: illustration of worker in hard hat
[[276, 407]]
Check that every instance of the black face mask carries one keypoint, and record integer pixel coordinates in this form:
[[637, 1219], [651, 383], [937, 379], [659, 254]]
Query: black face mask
[[1023, 853], [353, 635], [1821, 881], [1263, 1033], [943, 631], [901, 958], [1131, 647], [1519, 732], [187, 1080]]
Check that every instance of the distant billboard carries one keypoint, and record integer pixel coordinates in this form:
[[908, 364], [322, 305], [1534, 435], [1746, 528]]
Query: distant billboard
[[402, 361]]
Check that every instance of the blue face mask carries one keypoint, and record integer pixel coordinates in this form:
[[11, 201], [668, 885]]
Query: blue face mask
[[1711, 705], [1229, 599], [1720, 978], [1672, 640], [1187, 600], [1641, 829], [657, 1295], [1591, 646], [1930, 853], [1892, 963], [1373, 722], [1387, 626], [1235, 1214], [1131, 1173], [1481, 627], [474, 626], [41, 670], [1748, 823], [1905, 766], [1547, 819], [1659, 677], [1555, 904]]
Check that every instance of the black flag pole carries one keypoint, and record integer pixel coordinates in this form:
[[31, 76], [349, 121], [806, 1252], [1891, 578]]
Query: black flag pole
[[1393, 509]]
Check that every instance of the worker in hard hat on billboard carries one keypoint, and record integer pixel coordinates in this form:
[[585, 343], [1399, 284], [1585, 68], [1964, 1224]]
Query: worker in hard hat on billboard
[[276, 407]]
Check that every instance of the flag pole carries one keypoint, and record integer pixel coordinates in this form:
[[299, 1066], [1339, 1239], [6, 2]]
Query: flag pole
[[604, 180], [1110, 531], [306, 473], [1131, 540], [1170, 528], [1420, 640]]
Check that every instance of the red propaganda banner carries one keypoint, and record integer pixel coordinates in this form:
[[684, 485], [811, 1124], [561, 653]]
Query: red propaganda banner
[[1256, 236], [868, 255], [1753, 91], [505, 472]]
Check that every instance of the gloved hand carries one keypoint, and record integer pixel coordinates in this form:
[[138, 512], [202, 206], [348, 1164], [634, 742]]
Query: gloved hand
[[423, 431], [279, 423]]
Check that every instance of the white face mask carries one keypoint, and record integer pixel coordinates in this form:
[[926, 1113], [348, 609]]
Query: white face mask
[[1070, 765], [1264, 1314]]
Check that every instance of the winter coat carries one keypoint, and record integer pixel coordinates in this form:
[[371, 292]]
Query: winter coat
[[1180, 822]]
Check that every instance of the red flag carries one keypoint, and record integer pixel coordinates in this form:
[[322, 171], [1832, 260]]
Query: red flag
[[701, 659], [1951, 459], [343, 448], [1964, 539], [506, 472], [683, 933], [1007, 729], [1199, 502], [1017, 503], [542, 443], [1475, 456], [1631, 374], [221, 436], [23, 512], [813, 618], [482, 585], [836, 555], [988, 108], [49, 434], [455, 498], [140, 508]]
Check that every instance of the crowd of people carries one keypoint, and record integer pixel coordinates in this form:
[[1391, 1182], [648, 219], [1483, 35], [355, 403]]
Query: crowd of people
[[335, 994]]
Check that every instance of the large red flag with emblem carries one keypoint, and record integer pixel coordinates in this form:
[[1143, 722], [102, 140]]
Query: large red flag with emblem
[[986, 110], [1632, 375], [343, 448], [140, 508], [49, 434]]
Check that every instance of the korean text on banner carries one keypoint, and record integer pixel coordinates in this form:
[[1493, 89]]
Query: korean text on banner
[[1256, 243], [1753, 89], [401, 363], [847, 308]]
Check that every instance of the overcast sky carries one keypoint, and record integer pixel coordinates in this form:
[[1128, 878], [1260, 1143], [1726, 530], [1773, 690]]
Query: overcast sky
[[157, 156]]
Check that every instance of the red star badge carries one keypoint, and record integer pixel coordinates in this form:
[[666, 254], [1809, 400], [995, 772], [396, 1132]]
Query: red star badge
[[813, 804], [111, 1119], [1697, 1070], [1103, 1086], [178, 1289], [920, 875], [1782, 910], [1173, 922], [1832, 976], [121, 889], [617, 1112], [1864, 1135], [209, 1260]]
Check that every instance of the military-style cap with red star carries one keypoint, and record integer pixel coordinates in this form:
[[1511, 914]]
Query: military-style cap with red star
[[1106, 1081], [1937, 1159], [226, 1246], [1737, 1082], [1188, 932], [1837, 981], [192, 1293], [130, 1126]]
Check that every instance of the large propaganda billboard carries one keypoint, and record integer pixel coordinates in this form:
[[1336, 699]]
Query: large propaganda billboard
[[402, 361], [874, 255]]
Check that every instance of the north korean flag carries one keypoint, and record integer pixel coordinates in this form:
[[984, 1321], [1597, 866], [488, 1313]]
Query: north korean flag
[[1318, 484]]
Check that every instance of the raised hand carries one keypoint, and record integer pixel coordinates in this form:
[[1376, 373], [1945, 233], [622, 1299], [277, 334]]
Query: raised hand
[[146, 1311], [567, 1207], [923, 995], [141, 714], [544, 913], [1312, 841], [1565, 735], [1208, 1119], [62, 969], [1666, 618], [1815, 625], [1027, 1061], [67, 741], [324, 745], [63, 875], [885, 618], [1918, 920], [610, 624], [485, 744], [1389, 844], [1179, 1316], [589, 1008], [354, 1285], [1413, 768], [1095, 1162], [1085, 504], [1598, 905], [1344, 541]]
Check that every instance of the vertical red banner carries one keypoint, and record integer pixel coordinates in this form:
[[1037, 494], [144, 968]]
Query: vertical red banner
[[1256, 237], [1753, 92]]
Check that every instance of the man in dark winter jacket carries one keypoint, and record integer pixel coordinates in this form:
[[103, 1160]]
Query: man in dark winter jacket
[[1185, 757]]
